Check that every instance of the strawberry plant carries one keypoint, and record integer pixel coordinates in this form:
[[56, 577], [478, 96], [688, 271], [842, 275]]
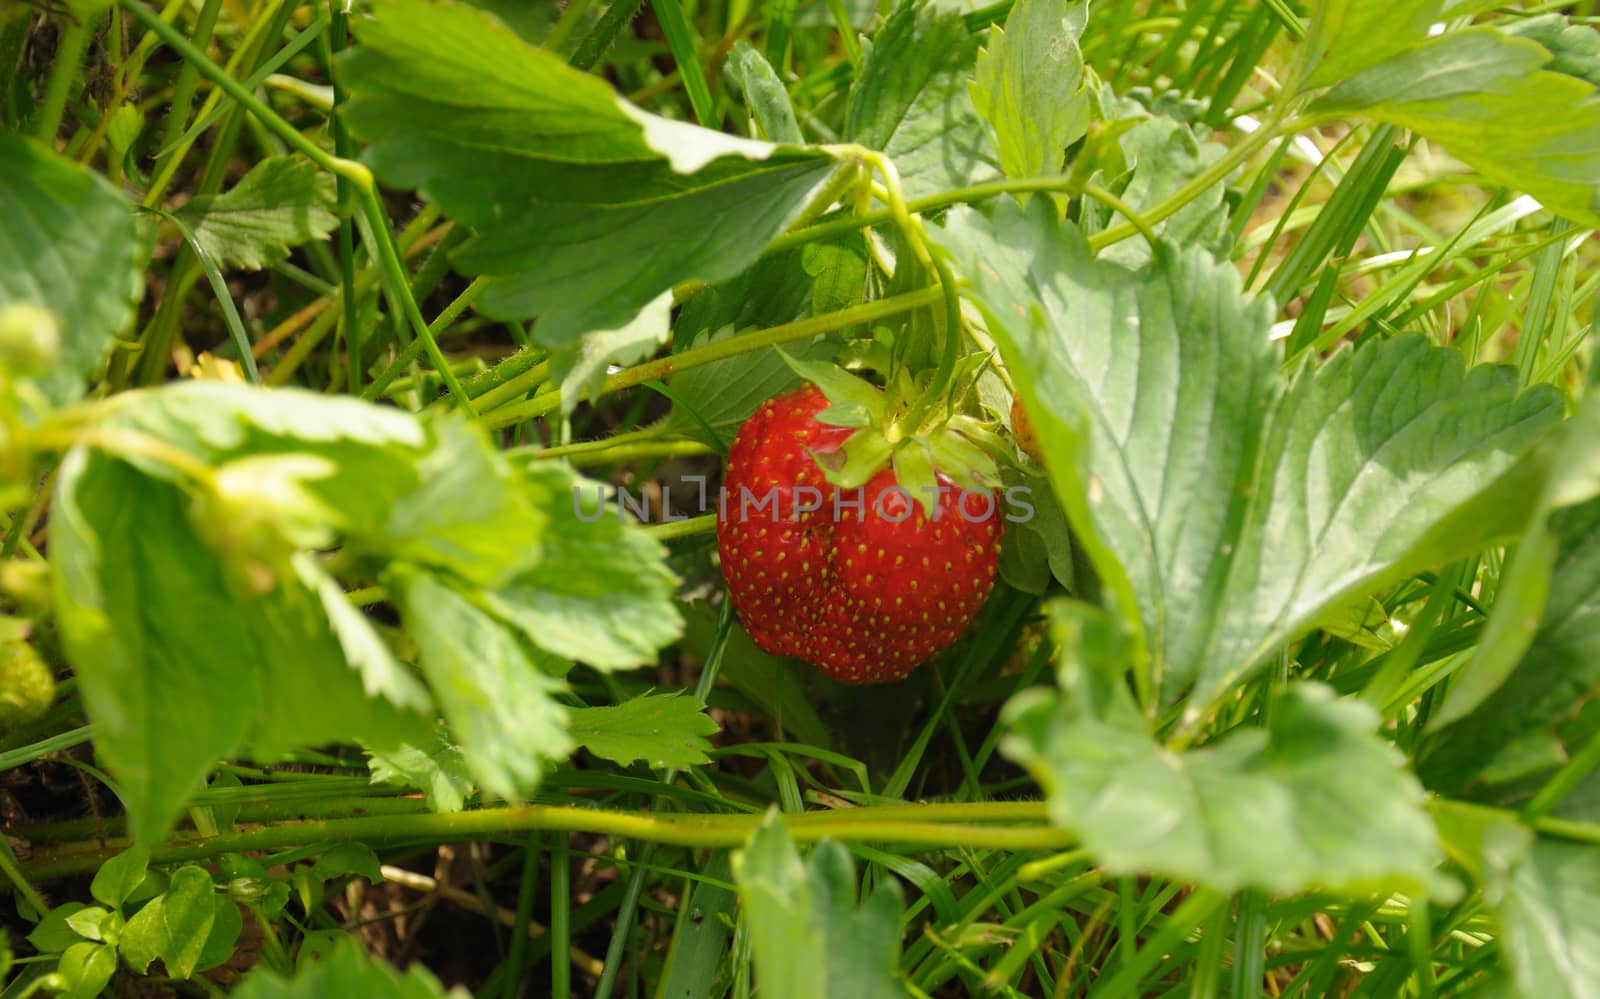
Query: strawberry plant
[[799, 498]]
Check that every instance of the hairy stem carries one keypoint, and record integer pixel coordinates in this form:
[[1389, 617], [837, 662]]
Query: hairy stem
[[718, 350], [980, 826]]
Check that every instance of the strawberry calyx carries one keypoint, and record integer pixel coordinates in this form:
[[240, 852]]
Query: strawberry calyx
[[897, 426]]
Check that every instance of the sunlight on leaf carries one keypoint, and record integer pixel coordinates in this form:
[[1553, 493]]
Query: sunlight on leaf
[[159, 634], [1547, 901], [435, 767], [911, 101], [281, 203], [572, 192], [1486, 97], [1347, 36], [601, 592], [1225, 510], [1316, 800], [497, 701], [1029, 85]]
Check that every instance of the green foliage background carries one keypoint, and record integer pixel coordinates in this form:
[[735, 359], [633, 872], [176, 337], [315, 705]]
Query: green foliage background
[[323, 333]]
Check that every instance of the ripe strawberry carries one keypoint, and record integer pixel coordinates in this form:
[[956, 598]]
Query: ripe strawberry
[[860, 582]]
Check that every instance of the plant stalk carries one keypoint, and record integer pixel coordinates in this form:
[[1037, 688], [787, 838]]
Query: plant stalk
[[978, 826]]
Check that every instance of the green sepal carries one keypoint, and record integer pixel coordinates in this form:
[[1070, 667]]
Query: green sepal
[[978, 432], [840, 387], [913, 469], [967, 464], [845, 414], [856, 460]]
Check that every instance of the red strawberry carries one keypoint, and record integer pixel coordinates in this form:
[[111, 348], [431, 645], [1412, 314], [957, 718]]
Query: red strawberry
[[866, 593]]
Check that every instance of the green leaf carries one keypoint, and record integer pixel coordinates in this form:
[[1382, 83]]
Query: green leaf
[[1486, 97], [1524, 584], [126, 124], [347, 858], [369, 455], [913, 472], [226, 925], [53, 934], [160, 633], [68, 244], [1314, 801], [771, 292], [1502, 749], [95, 923], [173, 926], [382, 675], [219, 421], [790, 948], [602, 593], [283, 659], [838, 271], [911, 101], [763, 93], [664, 730], [86, 969], [470, 516], [580, 368], [698, 960], [435, 767], [1347, 36], [345, 969], [117, 878], [1574, 48], [496, 700], [436, 493], [1038, 544], [531, 21], [723, 394], [572, 192], [282, 202], [810, 938], [1159, 156], [1547, 901], [1224, 511], [1029, 85]]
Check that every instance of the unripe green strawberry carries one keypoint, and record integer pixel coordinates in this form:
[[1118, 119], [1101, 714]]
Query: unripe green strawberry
[[863, 583], [26, 684]]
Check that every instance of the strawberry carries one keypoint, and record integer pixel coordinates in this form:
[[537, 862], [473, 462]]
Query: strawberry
[[1022, 432], [857, 575]]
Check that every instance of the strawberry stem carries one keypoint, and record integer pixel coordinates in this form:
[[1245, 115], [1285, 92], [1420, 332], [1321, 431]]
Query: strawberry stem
[[938, 388], [977, 825]]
